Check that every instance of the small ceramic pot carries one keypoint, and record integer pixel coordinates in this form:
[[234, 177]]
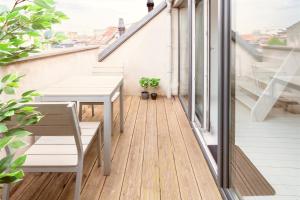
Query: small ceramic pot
[[145, 95], [153, 96]]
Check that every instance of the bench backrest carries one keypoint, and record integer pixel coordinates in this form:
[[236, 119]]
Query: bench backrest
[[59, 119]]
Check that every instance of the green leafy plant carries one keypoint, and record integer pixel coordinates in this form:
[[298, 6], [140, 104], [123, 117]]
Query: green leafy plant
[[154, 82], [274, 41], [12, 136], [22, 32], [22, 28], [144, 82]]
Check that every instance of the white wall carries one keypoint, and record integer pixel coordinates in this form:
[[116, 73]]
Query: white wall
[[146, 54], [44, 71]]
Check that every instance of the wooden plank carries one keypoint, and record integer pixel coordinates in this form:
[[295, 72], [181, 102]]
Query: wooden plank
[[162, 137], [17, 190], [168, 179], [34, 190], [131, 189], [113, 183], [150, 189], [186, 178], [206, 183], [253, 183], [96, 179], [59, 181]]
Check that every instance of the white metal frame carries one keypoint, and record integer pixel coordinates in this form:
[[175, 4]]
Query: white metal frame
[[205, 124], [202, 128], [108, 115]]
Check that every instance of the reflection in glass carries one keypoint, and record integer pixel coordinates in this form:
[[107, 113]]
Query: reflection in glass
[[184, 70], [199, 61], [265, 147]]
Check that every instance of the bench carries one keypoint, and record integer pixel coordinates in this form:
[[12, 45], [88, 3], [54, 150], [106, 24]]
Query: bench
[[61, 143]]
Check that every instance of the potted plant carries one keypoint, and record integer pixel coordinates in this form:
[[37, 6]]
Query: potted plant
[[12, 138], [144, 83], [154, 83], [21, 31]]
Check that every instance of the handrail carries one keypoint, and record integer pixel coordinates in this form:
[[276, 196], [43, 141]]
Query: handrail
[[250, 49], [131, 31]]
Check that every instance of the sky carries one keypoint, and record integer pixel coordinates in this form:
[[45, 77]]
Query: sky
[[87, 15], [249, 15], [252, 15]]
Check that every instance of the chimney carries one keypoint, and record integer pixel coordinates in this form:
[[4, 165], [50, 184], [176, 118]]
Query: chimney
[[150, 5], [121, 26]]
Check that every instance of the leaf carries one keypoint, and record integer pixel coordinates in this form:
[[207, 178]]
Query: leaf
[[3, 128], [18, 162], [28, 108], [5, 52], [4, 141], [6, 77], [11, 177], [28, 93], [17, 144], [12, 14], [18, 132], [9, 113], [43, 4], [5, 163], [9, 90], [33, 33]]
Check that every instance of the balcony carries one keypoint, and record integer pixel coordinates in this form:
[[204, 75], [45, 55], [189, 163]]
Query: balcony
[[157, 157]]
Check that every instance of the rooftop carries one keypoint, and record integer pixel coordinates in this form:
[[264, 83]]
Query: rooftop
[[150, 160]]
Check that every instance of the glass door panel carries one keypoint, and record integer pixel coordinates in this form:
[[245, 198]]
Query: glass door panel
[[184, 68], [199, 61], [265, 146]]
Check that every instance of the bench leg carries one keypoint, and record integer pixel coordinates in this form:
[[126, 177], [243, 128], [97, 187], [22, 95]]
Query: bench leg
[[5, 193], [93, 111], [80, 111], [78, 181], [99, 143]]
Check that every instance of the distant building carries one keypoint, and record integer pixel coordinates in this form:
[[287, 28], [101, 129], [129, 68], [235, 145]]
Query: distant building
[[109, 35], [293, 35], [250, 38]]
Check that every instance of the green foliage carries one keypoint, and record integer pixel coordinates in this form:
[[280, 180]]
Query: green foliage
[[12, 135], [154, 82], [274, 41], [144, 82], [22, 27]]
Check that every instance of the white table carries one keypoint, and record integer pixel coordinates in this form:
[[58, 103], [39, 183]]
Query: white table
[[91, 89]]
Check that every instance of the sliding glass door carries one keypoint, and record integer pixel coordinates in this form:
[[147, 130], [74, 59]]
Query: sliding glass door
[[199, 72], [184, 63], [265, 66], [199, 63]]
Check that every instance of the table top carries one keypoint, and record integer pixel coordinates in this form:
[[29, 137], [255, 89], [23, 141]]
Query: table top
[[84, 86]]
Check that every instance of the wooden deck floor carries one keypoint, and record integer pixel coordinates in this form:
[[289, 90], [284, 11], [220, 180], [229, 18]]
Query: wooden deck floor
[[157, 157]]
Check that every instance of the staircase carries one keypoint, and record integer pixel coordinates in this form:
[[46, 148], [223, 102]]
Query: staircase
[[269, 84]]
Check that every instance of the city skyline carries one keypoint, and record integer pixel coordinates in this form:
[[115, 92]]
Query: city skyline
[[88, 15]]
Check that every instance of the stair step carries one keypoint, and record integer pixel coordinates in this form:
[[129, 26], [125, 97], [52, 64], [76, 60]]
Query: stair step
[[266, 67], [274, 65], [245, 99], [250, 87], [265, 81]]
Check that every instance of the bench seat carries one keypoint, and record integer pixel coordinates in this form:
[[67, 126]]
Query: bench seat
[[60, 150]]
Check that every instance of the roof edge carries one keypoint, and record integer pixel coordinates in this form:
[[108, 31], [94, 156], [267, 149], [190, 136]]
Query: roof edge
[[250, 49], [131, 31]]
